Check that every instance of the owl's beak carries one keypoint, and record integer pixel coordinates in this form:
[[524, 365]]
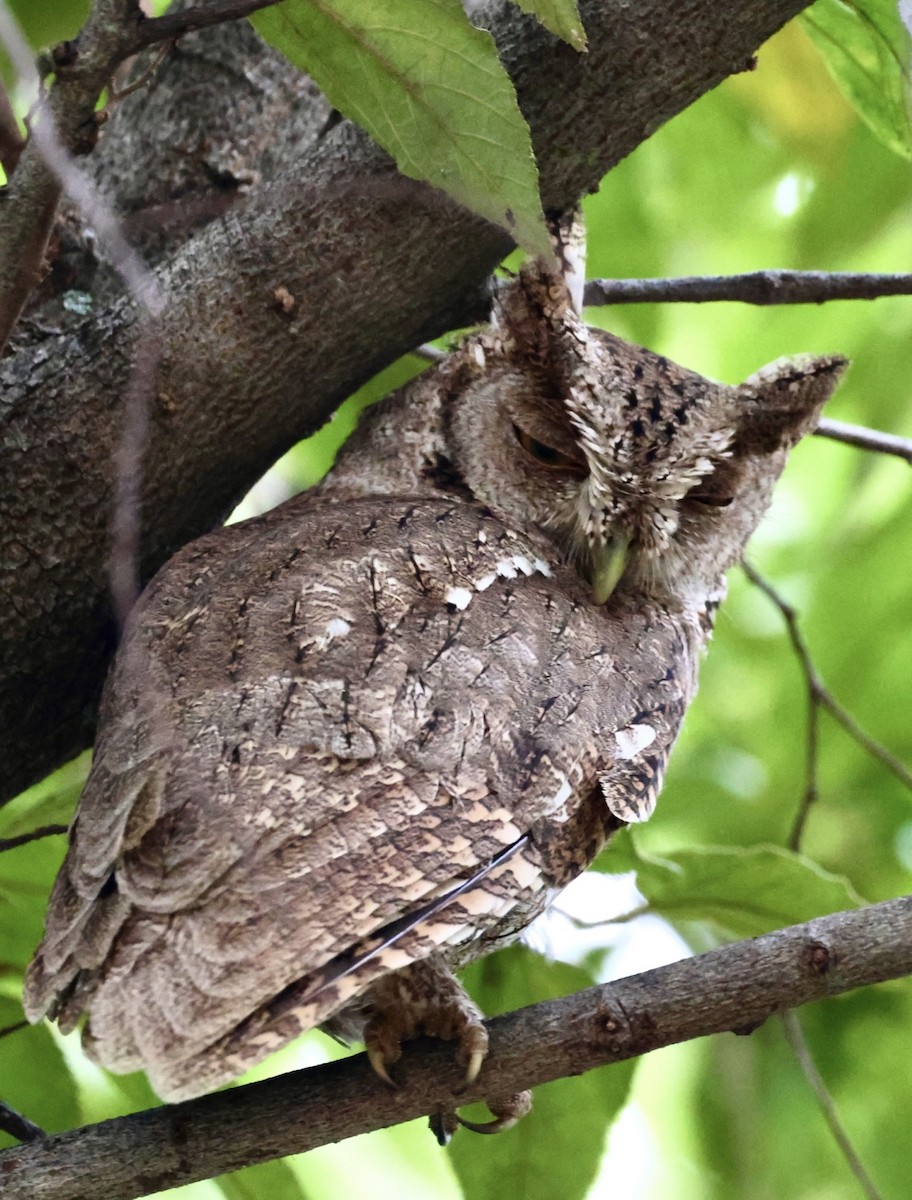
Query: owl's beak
[[608, 567]]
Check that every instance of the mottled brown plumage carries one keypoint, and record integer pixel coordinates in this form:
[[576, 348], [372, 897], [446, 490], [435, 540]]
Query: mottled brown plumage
[[375, 730]]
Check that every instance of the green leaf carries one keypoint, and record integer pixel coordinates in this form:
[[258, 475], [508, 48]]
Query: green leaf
[[556, 1149], [561, 17], [742, 891], [867, 49], [432, 92], [34, 1078], [273, 1179]]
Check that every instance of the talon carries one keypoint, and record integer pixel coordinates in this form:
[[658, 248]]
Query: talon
[[507, 1112], [378, 1062], [474, 1065]]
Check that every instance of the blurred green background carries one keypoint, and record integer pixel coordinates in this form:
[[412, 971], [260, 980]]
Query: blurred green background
[[772, 169]]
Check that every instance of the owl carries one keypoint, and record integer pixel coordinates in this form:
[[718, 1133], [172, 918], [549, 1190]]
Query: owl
[[351, 745]]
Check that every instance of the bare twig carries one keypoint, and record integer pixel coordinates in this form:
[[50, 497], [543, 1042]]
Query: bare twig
[[33, 835], [117, 93], [18, 1126], [820, 697], [66, 121], [796, 1040], [175, 25], [11, 140], [731, 988], [865, 439], [126, 527], [755, 287]]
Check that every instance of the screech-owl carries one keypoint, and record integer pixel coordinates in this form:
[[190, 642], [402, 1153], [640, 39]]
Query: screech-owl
[[352, 744]]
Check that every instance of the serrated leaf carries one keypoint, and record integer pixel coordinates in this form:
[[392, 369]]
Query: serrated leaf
[[744, 891], [430, 89], [868, 51], [34, 1077], [561, 17], [572, 1114]]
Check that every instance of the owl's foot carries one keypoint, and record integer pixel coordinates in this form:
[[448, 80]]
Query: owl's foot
[[426, 998], [507, 1111]]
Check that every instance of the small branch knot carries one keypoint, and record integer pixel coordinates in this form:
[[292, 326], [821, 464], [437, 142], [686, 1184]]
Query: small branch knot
[[611, 1030], [819, 958]]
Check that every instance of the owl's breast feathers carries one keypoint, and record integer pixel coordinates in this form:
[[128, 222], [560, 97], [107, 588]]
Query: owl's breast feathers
[[318, 722]]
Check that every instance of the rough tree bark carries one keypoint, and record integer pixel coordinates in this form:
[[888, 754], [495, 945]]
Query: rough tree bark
[[375, 265]]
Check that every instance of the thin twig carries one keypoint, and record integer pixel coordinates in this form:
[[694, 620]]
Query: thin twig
[[175, 25], [11, 140], [115, 95], [820, 697], [865, 439], [755, 287], [18, 1126], [34, 835], [795, 1037]]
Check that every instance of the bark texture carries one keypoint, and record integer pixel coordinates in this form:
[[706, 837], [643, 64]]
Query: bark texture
[[263, 192]]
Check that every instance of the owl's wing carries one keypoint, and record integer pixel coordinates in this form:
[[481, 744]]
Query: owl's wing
[[303, 752]]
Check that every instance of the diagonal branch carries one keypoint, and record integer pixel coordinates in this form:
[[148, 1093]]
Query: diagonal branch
[[865, 439], [755, 287], [799, 1047], [735, 988], [176, 24], [820, 697]]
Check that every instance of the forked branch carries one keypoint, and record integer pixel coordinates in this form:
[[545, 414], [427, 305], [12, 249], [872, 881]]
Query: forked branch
[[820, 698]]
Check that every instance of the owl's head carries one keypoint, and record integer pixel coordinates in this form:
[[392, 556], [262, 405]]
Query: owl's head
[[647, 476]]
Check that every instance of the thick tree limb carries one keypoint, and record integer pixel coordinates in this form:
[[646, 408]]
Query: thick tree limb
[[735, 988], [375, 265]]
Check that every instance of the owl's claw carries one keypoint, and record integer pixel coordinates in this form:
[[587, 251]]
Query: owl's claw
[[507, 1110], [473, 1047], [474, 1065], [378, 1061]]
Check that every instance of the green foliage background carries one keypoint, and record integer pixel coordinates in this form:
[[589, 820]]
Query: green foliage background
[[772, 169]]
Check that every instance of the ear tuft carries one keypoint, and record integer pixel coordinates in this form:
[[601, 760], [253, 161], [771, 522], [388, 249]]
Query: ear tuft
[[784, 399]]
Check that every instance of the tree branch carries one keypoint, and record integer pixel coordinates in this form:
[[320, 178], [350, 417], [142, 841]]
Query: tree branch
[[796, 1040], [376, 264], [820, 697], [756, 287], [65, 125], [176, 24], [864, 438], [11, 140], [735, 988]]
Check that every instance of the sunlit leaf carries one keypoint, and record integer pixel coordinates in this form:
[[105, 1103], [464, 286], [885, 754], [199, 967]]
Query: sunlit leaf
[[744, 891], [561, 17], [430, 89], [573, 1115], [868, 49], [34, 1078]]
